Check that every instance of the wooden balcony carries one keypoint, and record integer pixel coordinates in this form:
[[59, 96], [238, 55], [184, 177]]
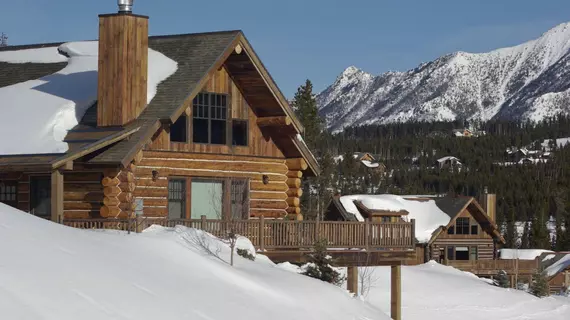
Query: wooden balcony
[[350, 243], [492, 267]]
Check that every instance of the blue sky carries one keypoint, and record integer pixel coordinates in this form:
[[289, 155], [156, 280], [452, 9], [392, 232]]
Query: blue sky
[[315, 39]]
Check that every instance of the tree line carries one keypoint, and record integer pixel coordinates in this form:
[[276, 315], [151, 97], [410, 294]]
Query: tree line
[[528, 196]]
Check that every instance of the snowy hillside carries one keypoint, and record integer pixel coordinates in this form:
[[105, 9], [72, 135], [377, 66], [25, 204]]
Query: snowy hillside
[[49, 271], [528, 81]]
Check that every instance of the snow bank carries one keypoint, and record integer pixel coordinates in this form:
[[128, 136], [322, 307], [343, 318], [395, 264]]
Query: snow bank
[[48, 271], [427, 214], [58, 101], [433, 291], [558, 266], [522, 254]]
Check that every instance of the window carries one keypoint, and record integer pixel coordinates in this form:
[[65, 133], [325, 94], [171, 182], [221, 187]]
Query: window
[[176, 198], [450, 253], [178, 130], [451, 230], [8, 193], [209, 118], [386, 219], [240, 199], [207, 198], [40, 196], [474, 229], [462, 226], [461, 253], [239, 132], [474, 253]]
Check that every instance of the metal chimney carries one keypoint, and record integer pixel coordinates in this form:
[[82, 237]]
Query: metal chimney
[[125, 6]]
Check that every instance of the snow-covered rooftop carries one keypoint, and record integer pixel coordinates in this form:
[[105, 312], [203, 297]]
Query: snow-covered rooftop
[[427, 214], [558, 266], [41, 111], [522, 254], [447, 158]]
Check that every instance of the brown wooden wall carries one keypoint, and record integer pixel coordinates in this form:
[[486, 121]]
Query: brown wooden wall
[[269, 200], [258, 143]]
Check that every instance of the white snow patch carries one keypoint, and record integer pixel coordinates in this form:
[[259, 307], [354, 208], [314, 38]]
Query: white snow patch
[[58, 101], [427, 214], [49, 271], [522, 254]]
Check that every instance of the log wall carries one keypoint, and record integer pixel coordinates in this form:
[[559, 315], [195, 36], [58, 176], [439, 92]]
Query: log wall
[[269, 200]]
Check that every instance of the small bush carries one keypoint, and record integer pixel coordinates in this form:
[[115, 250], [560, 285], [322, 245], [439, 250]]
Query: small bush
[[320, 265], [246, 254], [503, 279], [539, 286]]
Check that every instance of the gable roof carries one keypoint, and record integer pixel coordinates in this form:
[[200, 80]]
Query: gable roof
[[198, 55]]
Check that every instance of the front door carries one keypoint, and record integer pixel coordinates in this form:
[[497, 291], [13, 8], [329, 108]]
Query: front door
[[40, 197]]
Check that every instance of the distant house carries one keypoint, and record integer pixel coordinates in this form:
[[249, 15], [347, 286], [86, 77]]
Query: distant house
[[367, 160], [450, 230], [462, 133], [557, 269], [449, 162]]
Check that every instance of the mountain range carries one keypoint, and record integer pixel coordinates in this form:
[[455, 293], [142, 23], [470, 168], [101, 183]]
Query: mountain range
[[529, 81]]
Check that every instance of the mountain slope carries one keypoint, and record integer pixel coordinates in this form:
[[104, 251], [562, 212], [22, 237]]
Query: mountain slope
[[528, 81]]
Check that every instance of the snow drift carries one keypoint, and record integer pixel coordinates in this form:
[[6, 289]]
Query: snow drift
[[48, 271], [43, 110]]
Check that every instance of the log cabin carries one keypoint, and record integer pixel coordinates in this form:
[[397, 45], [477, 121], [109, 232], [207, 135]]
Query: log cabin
[[458, 231], [556, 266], [213, 136]]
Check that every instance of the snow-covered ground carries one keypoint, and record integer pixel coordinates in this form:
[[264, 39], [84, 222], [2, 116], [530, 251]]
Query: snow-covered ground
[[48, 271]]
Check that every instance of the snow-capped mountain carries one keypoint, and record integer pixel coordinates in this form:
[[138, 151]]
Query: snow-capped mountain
[[528, 81]]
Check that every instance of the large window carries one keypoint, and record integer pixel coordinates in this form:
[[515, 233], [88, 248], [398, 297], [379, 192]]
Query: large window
[[462, 226], [40, 196], [207, 198], [177, 198], [461, 253], [210, 113]]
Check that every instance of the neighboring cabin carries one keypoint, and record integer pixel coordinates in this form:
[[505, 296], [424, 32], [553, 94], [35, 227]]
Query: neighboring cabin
[[367, 160], [447, 229], [215, 137], [449, 163]]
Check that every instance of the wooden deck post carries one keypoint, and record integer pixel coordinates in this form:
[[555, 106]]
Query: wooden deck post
[[57, 196], [262, 233], [396, 292], [352, 279], [413, 232], [367, 234]]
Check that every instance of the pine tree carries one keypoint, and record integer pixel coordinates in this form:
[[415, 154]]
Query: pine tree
[[305, 106], [3, 40], [539, 286], [540, 237], [525, 240], [320, 266]]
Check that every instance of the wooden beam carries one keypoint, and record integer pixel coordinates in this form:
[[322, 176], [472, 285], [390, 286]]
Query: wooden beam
[[293, 202], [279, 121], [352, 280], [396, 292], [56, 196], [296, 164], [294, 182]]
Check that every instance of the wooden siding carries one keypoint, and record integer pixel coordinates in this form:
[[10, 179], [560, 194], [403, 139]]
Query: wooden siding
[[82, 194], [123, 65], [259, 143], [484, 247], [267, 200]]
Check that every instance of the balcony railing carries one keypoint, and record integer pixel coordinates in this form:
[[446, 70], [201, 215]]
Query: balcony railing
[[492, 267], [266, 234]]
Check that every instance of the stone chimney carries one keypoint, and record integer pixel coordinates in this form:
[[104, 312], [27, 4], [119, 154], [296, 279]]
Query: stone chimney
[[123, 66], [489, 203]]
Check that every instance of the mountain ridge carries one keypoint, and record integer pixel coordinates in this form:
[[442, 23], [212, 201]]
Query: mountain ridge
[[522, 82]]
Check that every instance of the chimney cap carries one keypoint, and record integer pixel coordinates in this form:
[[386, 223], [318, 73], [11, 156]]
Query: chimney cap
[[125, 6]]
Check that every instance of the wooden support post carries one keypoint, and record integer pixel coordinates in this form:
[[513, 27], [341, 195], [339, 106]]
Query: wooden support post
[[413, 232], [57, 196], [396, 293], [279, 121], [262, 233], [352, 280]]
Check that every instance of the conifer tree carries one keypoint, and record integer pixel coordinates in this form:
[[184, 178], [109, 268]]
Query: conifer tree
[[539, 286], [540, 237], [305, 106], [503, 279]]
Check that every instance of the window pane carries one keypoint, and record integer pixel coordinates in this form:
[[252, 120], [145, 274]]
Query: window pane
[[178, 132], [450, 253], [462, 226], [474, 229], [461, 253], [207, 199], [176, 198], [473, 253], [218, 132], [200, 131], [239, 133], [239, 199]]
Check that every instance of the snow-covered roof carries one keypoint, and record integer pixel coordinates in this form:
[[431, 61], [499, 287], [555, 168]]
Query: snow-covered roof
[[427, 214], [522, 254], [447, 158], [370, 164], [58, 101], [558, 266]]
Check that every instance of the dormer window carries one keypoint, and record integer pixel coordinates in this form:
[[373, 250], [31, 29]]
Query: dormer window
[[179, 130], [209, 123]]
